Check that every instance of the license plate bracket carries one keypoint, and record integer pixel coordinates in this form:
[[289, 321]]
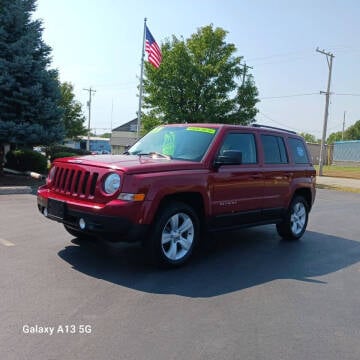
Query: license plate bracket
[[56, 209]]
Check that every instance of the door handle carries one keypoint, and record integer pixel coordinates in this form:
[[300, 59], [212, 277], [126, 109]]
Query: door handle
[[256, 176], [289, 176]]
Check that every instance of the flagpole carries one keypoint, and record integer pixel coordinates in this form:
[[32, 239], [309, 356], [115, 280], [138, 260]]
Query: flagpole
[[141, 83]]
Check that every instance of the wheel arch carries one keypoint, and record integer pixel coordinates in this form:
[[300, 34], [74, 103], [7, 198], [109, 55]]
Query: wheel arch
[[306, 194], [192, 199]]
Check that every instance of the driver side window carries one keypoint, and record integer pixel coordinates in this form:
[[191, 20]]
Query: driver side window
[[244, 143]]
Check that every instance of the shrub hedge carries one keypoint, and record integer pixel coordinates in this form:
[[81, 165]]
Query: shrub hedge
[[26, 160], [53, 152], [62, 155], [50, 151]]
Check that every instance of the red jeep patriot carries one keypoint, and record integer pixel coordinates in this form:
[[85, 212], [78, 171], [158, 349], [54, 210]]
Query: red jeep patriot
[[181, 180]]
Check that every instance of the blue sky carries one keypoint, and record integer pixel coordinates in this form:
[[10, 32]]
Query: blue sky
[[98, 43]]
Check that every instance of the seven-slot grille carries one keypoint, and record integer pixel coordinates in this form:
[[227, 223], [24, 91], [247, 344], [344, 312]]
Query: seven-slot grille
[[74, 182]]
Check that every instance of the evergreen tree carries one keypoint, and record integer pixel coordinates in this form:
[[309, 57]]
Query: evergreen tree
[[29, 90]]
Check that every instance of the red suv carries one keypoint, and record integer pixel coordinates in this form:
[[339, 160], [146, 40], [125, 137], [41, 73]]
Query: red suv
[[181, 181]]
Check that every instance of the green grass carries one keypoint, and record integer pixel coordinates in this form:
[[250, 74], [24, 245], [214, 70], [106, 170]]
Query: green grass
[[340, 171]]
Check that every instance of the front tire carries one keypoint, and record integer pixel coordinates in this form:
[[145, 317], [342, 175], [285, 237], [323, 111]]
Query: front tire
[[174, 235], [294, 225], [75, 233]]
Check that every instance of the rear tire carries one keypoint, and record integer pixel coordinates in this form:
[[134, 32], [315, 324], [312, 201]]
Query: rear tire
[[174, 235], [296, 219]]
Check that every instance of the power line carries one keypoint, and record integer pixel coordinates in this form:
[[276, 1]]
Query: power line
[[288, 96], [279, 55], [297, 55], [125, 85], [285, 61], [286, 126], [304, 94], [279, 123], [346, 94]]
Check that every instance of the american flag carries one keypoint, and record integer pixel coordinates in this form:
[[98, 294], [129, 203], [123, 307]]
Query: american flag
[[153, 49]]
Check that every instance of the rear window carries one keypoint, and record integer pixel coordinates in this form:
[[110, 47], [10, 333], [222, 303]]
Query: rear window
[[298, 151], [274, 149]]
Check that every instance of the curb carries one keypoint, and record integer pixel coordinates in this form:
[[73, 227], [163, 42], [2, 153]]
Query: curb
[[14, 190], [341, 184], [338, 188], [32, 174]]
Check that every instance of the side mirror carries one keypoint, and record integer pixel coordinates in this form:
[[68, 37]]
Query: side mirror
[[229, 157]]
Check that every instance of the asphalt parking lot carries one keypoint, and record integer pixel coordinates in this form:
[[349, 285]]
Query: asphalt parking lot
[[250, 296]]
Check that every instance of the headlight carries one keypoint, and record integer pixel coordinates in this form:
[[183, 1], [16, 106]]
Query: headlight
[[111, 183], [51, 175]]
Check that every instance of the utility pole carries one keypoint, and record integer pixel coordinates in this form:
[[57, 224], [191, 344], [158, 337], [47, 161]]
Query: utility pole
[[244, 72], [112, 113], [90, 90], [343, 128], [329, 59]]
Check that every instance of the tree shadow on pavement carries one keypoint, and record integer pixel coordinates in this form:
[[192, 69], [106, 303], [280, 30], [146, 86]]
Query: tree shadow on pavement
[[237, 261]]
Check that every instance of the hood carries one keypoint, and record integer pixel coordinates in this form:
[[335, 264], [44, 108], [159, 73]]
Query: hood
[[132, 164]]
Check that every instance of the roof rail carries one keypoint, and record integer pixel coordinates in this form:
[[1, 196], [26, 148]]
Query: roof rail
[[274, 128]]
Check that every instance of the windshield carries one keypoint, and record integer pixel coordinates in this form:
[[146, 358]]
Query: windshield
[[183, 143]]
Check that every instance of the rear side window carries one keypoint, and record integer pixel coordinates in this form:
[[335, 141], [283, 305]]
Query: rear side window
[[244, 143], [274, 149], [298, 151]]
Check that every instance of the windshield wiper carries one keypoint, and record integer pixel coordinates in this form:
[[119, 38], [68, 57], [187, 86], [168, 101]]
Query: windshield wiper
[[155, 153]]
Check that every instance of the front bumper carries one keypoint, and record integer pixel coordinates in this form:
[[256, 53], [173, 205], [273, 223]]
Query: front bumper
[[113, 228]]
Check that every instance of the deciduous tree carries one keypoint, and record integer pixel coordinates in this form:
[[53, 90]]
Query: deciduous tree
[[73, 116], [309, 138], [198, 81], [353, 132], [337, 136]]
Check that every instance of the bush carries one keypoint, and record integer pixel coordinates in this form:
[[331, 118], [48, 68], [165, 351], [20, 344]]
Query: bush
[[62, 155], [51, 151], [26, 160]]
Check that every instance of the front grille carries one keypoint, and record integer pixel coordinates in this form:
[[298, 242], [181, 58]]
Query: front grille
[[74, 182]]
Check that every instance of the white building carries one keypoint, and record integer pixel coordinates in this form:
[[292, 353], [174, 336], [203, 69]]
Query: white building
[[123, 137]]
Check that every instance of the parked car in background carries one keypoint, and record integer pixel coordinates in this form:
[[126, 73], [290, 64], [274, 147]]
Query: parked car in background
[[100, 152]]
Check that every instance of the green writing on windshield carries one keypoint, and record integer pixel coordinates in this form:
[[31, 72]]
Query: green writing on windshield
[[168, 146], [201, 129]]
